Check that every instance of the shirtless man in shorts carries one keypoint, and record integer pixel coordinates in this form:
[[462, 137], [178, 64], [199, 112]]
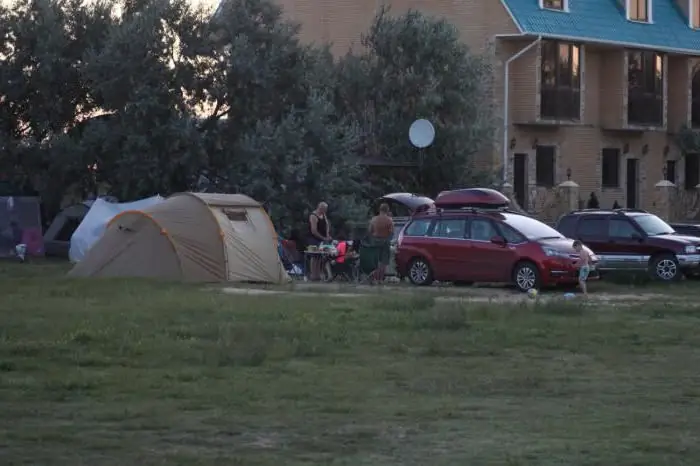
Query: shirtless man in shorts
[[381, 230]]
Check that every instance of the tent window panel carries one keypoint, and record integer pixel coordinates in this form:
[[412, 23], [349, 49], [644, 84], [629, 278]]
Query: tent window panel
[[236, 215]]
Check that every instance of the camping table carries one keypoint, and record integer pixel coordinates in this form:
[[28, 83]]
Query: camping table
[[324, 256]]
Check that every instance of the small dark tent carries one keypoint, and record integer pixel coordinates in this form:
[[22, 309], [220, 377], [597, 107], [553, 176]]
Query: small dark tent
[[20, 220], [57, 237]]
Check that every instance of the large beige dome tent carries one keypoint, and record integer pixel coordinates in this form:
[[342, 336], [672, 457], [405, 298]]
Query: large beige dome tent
[[189, 237]]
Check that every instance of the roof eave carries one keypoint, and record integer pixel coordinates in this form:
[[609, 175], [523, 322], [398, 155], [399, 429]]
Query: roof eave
[[592, 40], [512, 17]]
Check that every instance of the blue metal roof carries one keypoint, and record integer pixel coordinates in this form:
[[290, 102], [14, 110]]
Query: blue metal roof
[[605, 21]]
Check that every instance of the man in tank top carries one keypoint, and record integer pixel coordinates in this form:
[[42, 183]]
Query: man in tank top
[[319, 232]]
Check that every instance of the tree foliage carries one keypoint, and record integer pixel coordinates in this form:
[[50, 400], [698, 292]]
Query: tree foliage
[[414, 66], [150, 96]]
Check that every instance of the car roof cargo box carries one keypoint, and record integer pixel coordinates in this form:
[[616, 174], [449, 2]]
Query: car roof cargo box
[[479, 198]]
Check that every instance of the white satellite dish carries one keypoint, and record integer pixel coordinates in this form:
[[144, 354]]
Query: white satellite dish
[[421, 133]]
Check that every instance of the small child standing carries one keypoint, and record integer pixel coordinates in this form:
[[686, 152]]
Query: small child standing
[[584, 264]]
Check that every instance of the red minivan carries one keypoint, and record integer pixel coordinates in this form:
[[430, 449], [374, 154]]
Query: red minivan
[[487, 244]]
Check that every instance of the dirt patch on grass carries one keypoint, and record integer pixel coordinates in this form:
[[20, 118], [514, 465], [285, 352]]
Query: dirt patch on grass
[[487, 295]]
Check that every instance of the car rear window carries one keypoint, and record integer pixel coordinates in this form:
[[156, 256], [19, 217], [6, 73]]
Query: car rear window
[[567, 225], [529, 227], [450, 228], [418, 228], [593, 226], [398, 225], [482, 229], [621, 228]]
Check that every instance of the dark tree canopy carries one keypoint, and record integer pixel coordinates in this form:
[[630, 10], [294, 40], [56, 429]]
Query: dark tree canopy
[[149, 96], [414, 66]]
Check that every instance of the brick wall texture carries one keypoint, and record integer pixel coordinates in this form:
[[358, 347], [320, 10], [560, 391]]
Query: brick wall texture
[[578, 145]]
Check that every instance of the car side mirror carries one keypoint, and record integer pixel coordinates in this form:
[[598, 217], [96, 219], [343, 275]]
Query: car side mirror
[[499, 240], [637, 236]]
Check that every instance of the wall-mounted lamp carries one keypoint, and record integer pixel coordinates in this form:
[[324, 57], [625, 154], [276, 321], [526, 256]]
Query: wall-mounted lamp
[[535, 143], [666, 151], [626, 148], [568, 174], [512, 144], [645, 149]]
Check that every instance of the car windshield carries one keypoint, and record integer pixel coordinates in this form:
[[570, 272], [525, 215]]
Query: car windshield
[[653, 225], [532, 229]]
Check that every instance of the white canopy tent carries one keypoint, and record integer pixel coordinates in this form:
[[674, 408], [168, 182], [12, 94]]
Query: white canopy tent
[[95, 222]]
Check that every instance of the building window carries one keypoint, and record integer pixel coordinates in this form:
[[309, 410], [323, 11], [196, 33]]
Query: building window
[[553, 4], [692, 171], [670, 171], [694, 13], [544, 166], [645, 90], [639, 10], [560, 85], [611, 168], [695, 96]]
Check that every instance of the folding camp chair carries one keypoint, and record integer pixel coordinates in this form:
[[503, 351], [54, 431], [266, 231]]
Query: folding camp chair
[[348, 270], [291, 263]]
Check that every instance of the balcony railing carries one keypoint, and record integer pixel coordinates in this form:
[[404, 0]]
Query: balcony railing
[[645, 108], [560, 103]]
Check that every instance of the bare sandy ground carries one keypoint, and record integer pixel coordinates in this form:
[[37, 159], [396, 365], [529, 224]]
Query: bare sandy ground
[[479, 295]]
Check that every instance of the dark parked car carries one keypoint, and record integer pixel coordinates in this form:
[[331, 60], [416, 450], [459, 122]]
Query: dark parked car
[[483, 244], [687, 229], [634, 240]]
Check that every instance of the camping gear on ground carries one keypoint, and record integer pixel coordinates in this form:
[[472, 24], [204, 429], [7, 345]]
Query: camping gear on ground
[[325, 256], [20, 223], [292, 261], [95, 222], [21, 252], [58, 235], [197, 237], [369, 257]]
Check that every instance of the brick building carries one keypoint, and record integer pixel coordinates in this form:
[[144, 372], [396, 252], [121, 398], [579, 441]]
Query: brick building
[[594, 89]]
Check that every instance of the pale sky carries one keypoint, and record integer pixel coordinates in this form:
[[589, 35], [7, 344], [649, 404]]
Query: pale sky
[[212, 3]]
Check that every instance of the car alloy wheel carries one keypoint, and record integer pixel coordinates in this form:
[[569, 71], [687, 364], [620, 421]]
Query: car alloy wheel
[[419, 272], [666, 269], [526, 277]]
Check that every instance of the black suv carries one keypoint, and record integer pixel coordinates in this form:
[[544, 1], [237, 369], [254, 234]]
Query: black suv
[[634, 240], [687, 229]]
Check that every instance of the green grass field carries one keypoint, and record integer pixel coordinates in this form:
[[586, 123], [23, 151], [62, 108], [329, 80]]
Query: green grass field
[[130, 372]]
